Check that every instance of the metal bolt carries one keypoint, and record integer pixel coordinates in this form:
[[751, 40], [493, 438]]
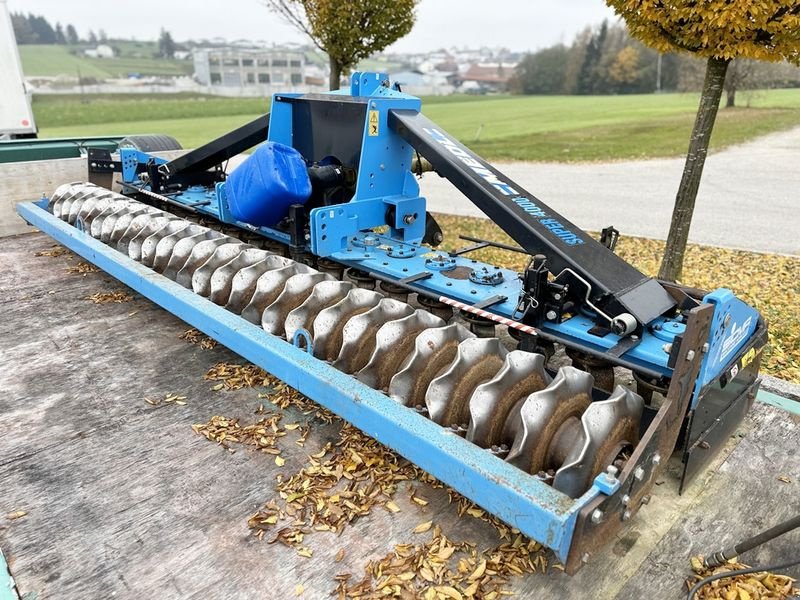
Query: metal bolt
[[638, 474], [656, 459], [611, 474], [626, 515], [667, 348], [551, 315], [556, 296], [585, 557], [626, 499], [690, 355], [705, 347], [597, 516], [409, 219], [646, 499]]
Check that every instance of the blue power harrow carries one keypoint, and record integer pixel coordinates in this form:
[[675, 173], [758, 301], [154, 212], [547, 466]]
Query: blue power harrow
[[316, 259]]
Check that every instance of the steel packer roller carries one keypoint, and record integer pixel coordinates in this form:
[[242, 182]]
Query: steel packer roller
[[317, 260]]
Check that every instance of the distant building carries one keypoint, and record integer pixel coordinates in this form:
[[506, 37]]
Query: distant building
[[240, 67], [492, 77], [102, 51], [422, 84], [409, 79]]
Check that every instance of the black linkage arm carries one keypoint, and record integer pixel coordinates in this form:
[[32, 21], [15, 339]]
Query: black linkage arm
[[203, 165], [616, 286], [221, 149]]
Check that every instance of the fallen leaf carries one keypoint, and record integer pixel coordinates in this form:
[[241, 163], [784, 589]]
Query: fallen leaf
[[479, 571], [697, 564], [299, 589], [449, 592], [109, 297], [17, 514], [743, 595], [423, 527], [392, 507]]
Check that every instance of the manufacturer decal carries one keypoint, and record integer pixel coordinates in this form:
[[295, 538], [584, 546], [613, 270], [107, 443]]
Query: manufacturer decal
[[556, 228], [465, 157], [554, 225], [737, 334]]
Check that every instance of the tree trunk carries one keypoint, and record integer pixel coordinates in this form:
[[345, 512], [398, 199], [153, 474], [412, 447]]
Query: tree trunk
[[730, 102], [336, 74], [672, 264]]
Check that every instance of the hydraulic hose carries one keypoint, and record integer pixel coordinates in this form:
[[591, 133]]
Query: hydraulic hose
[[718, 558]]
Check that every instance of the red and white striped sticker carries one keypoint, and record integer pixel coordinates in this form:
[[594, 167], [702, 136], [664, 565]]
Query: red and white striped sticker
[[487, 315]]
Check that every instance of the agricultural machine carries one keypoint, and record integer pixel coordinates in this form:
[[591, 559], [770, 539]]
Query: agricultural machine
[[316, 259]]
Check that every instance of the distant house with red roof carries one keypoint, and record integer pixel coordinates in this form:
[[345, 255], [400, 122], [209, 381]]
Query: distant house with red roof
[[493, 77]]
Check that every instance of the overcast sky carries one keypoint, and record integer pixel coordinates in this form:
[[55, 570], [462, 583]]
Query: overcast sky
[[515, 24]]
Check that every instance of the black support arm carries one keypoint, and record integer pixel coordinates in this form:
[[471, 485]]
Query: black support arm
[[616, 286], [219, 150]]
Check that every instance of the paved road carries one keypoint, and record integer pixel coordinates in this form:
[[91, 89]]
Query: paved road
[[749, 196]]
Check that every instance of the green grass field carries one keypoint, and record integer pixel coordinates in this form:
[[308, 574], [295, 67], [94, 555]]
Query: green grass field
[[560, 128], [50, 60]]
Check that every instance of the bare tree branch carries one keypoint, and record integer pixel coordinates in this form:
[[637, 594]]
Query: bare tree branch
[[293, 12]]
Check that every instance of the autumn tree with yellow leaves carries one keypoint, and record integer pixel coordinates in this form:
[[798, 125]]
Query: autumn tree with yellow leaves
[[348, 31], [720, 31]]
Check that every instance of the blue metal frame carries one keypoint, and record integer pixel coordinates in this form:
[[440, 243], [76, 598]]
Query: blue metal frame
[[131, 158], [733, 325], [384, 180], [518, 498]]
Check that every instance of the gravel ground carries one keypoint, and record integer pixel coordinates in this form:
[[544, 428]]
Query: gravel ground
[[748, 195]]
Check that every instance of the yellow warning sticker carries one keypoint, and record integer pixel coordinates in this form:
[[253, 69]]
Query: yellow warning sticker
[[748, 357], [373, 123]]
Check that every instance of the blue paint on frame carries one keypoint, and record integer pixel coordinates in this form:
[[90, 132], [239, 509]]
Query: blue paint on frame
[[536, 509]]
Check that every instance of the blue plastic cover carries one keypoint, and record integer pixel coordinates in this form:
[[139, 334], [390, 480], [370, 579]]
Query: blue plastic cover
[[263, 187]]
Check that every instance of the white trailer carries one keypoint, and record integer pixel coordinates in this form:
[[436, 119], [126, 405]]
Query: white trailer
[[16, 116]]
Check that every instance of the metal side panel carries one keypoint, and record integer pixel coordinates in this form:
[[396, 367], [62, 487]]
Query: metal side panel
[[521, 500], [722, 406]]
